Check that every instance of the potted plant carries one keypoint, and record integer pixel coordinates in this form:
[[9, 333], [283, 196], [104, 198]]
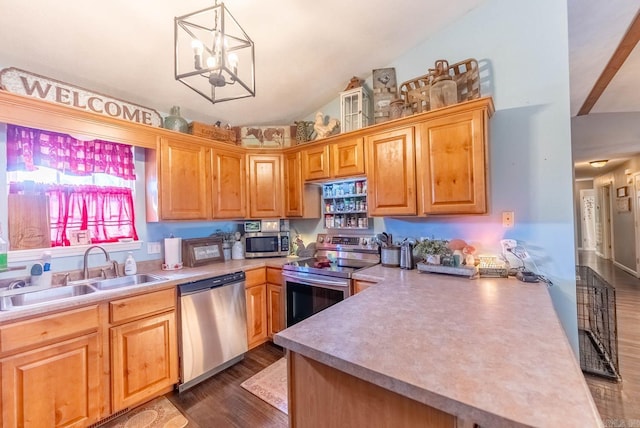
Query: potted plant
[[431, 250]]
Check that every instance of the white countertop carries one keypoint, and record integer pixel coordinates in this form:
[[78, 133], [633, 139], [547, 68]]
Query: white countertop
[[489, 350]]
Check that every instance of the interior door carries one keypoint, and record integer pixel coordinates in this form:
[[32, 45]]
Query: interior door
[[635, 198], [587, 219]]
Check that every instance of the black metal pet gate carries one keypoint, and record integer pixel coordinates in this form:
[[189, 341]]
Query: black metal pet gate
[[597, 324]]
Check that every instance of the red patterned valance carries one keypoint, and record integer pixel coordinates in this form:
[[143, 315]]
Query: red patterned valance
[[29, 148]]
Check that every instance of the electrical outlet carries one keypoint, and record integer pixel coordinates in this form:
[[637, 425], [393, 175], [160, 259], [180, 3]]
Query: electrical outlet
[[507, 219], [153, 248]]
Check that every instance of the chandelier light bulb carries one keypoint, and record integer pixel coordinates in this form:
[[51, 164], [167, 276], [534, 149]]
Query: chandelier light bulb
[[197, 46], [212, 62]]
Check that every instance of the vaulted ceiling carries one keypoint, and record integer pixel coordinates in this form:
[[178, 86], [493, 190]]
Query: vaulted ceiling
[[305, 54]]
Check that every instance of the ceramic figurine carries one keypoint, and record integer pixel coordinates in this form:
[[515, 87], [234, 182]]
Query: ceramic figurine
[[322, 130]]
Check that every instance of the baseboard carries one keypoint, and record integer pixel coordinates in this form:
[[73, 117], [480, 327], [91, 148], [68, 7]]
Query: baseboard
[[626, 269]]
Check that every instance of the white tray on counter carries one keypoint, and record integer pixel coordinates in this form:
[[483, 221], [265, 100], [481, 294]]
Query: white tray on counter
[[470, 272]]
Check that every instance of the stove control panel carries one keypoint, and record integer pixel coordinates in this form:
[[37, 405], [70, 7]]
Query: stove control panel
[[327, 241]]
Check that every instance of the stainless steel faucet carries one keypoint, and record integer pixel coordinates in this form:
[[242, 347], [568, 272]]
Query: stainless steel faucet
[[86, 264]]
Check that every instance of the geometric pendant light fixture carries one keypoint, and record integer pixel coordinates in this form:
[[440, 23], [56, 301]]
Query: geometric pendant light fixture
[[213, 55]]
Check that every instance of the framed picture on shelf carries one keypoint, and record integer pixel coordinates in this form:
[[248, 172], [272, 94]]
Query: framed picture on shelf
[[621, 192]]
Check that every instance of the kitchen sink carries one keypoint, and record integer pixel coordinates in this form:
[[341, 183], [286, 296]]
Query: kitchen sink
[[27, 298], [125, 281]]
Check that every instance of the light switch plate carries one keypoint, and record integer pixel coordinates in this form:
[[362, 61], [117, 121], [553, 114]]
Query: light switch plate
[[153, 248], [507, 219]]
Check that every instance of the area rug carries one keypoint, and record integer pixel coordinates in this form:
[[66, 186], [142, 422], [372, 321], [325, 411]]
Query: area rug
[[270, 385], [159, 413]]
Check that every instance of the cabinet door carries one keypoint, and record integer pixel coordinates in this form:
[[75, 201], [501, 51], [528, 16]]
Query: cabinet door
[[184, 191], [316, 163], [265, 184], [144, 359], [275, 309], [391, 173], [360, 285], [451, 164], [293, 197], [347, 158], [53, 386], [229, 196], [256, 314]]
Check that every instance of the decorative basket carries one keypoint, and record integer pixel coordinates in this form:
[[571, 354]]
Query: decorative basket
[[465, 73]]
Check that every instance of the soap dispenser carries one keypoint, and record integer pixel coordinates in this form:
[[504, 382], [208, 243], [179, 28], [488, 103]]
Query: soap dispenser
[[130, 267]]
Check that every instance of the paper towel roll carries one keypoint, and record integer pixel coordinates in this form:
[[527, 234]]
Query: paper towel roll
[[172, 251]]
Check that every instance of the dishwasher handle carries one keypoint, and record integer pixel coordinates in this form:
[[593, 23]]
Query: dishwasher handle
[[209, 283]]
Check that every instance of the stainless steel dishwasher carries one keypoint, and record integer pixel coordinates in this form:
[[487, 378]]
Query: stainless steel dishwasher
[[213, 327]]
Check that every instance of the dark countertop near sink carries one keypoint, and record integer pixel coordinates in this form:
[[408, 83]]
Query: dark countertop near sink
[[174, 277]]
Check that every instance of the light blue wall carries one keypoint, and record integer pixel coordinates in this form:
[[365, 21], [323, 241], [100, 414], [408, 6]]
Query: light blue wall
[[522, 48]]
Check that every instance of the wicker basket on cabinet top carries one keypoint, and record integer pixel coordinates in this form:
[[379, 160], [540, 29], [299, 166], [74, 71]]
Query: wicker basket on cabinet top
[[465, 73]]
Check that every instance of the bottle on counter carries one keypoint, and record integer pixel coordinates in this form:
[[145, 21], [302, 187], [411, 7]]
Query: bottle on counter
[[4, 249], [130, 266]]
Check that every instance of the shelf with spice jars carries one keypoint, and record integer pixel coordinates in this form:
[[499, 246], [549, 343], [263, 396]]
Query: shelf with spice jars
[[345, 204]]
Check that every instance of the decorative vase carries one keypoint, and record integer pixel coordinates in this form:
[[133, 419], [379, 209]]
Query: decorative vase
[[176, 122]]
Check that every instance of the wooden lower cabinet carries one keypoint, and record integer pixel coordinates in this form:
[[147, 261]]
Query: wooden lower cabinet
[[274, 309], [359, 285], [53, 386], [144, 356], [275, 301], [256, 314], [321, 396]]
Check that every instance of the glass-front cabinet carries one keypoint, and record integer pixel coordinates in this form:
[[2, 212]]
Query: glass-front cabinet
[[355, 109], [345, 204]]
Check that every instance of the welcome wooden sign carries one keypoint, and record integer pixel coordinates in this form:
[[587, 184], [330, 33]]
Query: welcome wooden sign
[[33, 85]]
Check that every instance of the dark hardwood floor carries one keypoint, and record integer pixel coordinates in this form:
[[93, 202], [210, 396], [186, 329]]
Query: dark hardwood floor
[[619, 402], [220, 401]]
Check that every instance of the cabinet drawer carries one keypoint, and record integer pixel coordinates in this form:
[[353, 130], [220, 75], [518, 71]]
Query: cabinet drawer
[[274, 275], [36, 332], [140, 306], [255, 277]]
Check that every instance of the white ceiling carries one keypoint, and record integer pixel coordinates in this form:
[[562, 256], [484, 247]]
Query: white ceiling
[[306, 51], [124, 48], [612, 129]]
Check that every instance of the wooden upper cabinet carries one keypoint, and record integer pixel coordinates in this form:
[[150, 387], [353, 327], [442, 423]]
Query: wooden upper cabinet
[[183, 181], [293, 195], [316, 163], [300, 200], [347, 158], [229, 182], [265, 186], [391, 172], [451, 167]]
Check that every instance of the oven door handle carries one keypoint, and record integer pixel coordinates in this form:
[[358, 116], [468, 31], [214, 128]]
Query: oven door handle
[[314, 279]]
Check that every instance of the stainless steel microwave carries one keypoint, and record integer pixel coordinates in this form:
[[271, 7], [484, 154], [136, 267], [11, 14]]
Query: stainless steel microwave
[[266, 244]]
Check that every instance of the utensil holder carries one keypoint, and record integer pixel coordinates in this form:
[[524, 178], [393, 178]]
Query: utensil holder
[[390, 256]]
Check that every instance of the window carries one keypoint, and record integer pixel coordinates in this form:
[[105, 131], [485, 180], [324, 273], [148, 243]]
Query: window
[[88, 185]]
